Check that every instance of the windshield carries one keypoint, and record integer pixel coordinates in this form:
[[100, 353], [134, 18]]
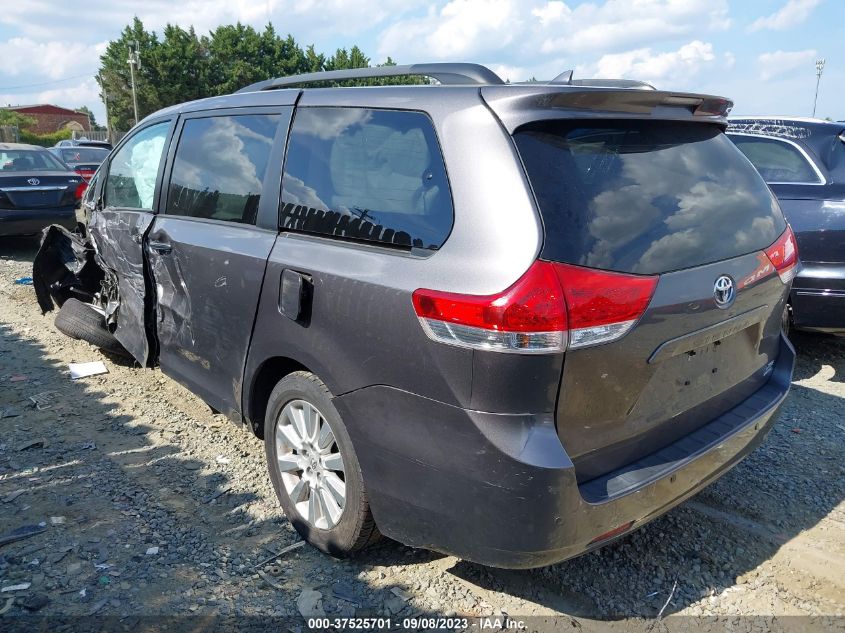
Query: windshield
[[84, 155], [26, 160], [645, 196]]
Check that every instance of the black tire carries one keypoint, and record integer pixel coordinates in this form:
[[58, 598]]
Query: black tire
[[356, 528], [786, 320], [80, 321]]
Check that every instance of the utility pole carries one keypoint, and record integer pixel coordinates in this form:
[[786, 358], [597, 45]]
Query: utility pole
[[819, 70], [105, 103], [133, 61]]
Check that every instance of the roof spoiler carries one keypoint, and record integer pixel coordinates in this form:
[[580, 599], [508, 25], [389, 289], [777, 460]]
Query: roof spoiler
[[524, 104]]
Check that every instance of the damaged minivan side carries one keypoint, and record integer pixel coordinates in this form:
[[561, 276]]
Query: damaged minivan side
[[506, 322]]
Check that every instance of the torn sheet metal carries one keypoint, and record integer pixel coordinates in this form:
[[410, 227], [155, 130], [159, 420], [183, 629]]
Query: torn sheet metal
[[117, 236], [64, 267]]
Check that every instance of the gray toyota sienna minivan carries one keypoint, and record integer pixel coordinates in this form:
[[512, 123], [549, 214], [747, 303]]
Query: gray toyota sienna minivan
[[506, 322]]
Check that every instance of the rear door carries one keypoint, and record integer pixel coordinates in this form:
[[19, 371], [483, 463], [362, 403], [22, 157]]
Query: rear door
[[131, 192], [675, 202], [208, 247]]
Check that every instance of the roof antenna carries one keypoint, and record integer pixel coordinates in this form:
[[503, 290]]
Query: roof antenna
[[563, 78]]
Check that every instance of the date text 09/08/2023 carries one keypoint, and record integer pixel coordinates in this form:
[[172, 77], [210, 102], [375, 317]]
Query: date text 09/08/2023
[[416, 623]]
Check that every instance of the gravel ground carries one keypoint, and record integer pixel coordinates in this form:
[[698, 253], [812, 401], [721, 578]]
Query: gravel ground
[[151, 504]]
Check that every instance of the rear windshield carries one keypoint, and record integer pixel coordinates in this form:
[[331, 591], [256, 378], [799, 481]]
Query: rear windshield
[[84, 155], [645, 197], [25, 160]]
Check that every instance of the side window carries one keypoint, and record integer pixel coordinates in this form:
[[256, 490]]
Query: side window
[[219, 167], [133, 169], [369, 175], [777, 161]]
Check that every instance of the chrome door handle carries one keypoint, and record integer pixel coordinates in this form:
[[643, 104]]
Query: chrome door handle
[[161, 247]]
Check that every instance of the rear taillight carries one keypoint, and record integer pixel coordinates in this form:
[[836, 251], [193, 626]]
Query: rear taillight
[[85, 173], [80, 190], [784, 256], [528, 317], [603, 305], [551, 307]]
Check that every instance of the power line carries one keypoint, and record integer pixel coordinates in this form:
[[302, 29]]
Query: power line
[[47, 83]]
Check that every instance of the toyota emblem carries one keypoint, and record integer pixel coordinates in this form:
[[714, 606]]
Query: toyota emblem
[[34, 181], [724, 291]]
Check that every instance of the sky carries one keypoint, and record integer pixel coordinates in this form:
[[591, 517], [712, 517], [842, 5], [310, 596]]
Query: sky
[[760, 53]]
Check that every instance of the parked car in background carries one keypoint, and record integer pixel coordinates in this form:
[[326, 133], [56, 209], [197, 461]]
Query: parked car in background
[[803, 161], [83, 142], [81, 159], [507, 322], [36, 190]]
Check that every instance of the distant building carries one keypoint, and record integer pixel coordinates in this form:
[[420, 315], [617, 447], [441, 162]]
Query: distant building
[[51, 118]]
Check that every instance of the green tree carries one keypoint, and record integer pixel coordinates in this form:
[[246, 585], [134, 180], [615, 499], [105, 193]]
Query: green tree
[[91, 119], [10, 117], [182, 66], [114, 77]]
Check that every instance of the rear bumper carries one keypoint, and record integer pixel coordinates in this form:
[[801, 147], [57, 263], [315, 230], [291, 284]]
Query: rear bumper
[[818, 298], [32, 221], [500, 489]]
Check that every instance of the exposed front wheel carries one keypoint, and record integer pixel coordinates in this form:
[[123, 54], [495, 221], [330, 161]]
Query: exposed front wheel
[[313, 467], [81, 321]]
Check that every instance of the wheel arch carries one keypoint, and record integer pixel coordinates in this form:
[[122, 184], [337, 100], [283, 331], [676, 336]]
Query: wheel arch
[[265, 377]]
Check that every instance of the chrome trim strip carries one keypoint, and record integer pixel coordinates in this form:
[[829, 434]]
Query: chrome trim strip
[[50, 188]]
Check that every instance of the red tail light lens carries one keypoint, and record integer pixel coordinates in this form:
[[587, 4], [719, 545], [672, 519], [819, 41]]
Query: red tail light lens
[[784, 255], [603, 305], [80, 190], [551, 306], [530, 316]]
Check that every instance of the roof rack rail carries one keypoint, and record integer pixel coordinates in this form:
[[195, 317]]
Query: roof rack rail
[[445, 73]]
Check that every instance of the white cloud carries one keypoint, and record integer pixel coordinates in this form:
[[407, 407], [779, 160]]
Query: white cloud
[[621, 24], [780, 63], [553, 11], [48, 19], [514, 30], [791, 14], [462, 28], [670, 69], [82, 92], [24, 57]]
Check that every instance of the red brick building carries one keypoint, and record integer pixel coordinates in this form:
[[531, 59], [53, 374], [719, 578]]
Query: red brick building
[[51, 118]]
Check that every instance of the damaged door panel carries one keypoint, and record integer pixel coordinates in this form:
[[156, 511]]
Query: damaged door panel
[[208, 248], [118, 229]]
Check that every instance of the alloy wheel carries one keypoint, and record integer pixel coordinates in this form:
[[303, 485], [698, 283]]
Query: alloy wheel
[[310, 464]]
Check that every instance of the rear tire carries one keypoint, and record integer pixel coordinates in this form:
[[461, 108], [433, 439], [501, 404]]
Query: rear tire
[[80, 321], [786, 320], [318, 472]]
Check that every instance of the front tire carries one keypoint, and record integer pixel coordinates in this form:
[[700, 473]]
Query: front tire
[[81, 321], [314, 469]]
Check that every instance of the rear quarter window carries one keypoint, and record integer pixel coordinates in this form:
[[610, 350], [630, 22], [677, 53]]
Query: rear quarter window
[[777, 161], [643, 196], [366, 175]]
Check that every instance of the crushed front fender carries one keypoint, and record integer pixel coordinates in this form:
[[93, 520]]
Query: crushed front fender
[[64, 267]]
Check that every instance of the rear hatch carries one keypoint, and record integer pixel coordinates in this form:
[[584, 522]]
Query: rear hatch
[[674, 201], [39, 190]]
